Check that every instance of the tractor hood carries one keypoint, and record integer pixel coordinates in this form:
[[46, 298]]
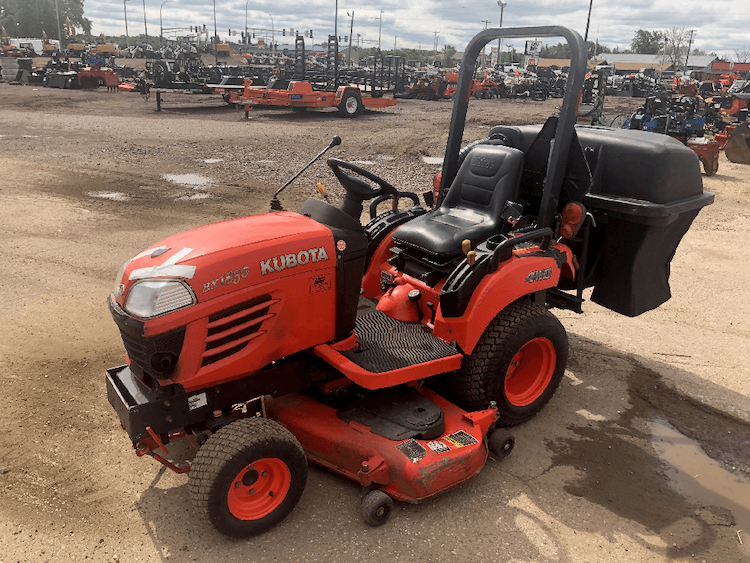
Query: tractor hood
[[223, 257]]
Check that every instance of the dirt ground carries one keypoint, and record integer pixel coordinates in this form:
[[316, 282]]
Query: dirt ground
[[84, 187]]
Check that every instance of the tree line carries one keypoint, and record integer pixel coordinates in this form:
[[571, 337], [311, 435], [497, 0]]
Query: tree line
[[28, 18], [674, 45]]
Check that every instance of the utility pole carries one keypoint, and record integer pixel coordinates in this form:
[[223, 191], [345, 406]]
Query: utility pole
[[247, 41], [351, 31], [690, 44], [588, 21], [145, 26], [436, 40], [127, 37], [216, 37], [380, 28], [273, 36], [484, 54], [59, 29], [500, 40], [394, 41]]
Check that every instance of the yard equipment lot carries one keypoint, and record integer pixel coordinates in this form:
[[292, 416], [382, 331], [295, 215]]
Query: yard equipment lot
[[85, 185]]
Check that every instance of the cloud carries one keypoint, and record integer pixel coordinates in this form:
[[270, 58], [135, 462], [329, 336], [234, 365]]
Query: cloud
[[415, 23]]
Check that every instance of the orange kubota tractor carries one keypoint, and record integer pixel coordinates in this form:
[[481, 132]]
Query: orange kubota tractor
[[396, 352]]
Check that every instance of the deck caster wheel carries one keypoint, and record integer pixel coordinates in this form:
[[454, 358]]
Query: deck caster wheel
[[501, 443], [376, 508], [248, 477]]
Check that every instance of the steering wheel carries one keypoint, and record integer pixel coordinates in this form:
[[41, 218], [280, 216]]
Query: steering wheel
[[357, 190]]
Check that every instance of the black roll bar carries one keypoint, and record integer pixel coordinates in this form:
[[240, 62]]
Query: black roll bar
[[565, 127]]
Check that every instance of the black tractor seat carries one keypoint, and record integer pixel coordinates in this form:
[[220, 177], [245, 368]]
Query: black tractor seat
[[489, 177]]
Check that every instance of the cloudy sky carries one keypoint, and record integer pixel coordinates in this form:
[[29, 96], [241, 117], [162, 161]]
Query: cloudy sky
[[722, 26]]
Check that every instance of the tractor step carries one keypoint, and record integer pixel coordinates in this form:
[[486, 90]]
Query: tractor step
[[391, 352]]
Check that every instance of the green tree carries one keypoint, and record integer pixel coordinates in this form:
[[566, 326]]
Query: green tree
[[558, 51], [27, 18], [647, 42], [448, 52]]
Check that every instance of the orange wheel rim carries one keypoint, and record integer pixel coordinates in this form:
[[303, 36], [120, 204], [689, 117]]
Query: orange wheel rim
[[530, 372], [259, 489]]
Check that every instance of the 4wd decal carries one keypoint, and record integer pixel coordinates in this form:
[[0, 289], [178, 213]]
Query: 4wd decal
[[539, 275], [285, 261]]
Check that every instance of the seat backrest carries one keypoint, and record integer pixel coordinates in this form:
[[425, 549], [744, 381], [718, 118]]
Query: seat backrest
[[488, 178]]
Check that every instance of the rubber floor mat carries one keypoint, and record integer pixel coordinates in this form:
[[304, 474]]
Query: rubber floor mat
[[386, 344]]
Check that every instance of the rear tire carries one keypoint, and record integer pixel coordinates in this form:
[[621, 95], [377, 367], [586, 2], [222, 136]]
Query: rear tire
[[518, 363], [248, 476]]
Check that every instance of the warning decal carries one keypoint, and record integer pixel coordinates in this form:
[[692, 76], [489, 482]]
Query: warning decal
[[438, 447], [460, 439]]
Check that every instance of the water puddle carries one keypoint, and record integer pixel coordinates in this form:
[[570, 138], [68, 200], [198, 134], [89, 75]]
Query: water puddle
[[193, 180], [701, 479], [432, 159], [213, 160], [113, 196]]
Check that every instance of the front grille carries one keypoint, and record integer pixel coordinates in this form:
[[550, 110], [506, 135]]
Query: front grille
[[142, 350], [230, 330]]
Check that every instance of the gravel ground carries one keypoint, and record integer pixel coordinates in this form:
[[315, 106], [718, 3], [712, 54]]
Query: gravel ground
[[84, 189]]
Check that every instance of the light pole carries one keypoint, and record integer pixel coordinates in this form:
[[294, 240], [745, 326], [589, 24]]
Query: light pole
[[246, 3], [484, 55], [127, 37], [216, 38], [351, 30], [145, 27], [273, 35], [161, 24], [380, 28], [500, 40], [59, 29]]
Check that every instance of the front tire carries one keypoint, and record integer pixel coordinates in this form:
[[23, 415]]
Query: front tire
[[248, 477], [518, 363]]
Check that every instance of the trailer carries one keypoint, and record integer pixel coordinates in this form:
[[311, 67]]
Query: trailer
[[300, 95]]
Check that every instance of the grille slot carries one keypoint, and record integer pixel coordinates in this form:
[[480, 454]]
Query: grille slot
[[229, 331]]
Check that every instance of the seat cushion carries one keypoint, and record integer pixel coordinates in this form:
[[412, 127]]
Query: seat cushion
[[488, 178]]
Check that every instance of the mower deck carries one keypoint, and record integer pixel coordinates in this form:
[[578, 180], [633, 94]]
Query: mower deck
[[408, 470]]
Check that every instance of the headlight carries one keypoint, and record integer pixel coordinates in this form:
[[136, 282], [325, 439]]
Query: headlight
[[151, 298]]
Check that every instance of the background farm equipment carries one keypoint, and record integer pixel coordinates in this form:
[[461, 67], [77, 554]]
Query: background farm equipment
[[679, 117], [329, 86], [66, 74]]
